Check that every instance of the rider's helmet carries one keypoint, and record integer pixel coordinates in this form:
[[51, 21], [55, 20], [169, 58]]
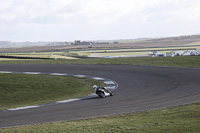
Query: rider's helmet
[[94, 86]]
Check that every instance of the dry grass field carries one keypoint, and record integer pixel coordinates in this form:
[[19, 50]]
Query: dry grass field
[[157, 42], [126, 48]]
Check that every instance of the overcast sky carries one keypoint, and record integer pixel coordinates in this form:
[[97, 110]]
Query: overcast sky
[[68, 20]]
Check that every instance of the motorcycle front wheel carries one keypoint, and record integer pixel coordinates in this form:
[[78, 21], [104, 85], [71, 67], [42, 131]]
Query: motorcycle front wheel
[[111, 93]]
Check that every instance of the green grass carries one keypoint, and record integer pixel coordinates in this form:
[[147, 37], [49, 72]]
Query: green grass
[[25, 89], [170, 120], [189, 61], [175, 119]]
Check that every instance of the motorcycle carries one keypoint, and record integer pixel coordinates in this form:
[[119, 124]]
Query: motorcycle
[[102, 92]]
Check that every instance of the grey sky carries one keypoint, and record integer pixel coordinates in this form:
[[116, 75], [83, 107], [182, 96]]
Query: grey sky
[[67, 20]]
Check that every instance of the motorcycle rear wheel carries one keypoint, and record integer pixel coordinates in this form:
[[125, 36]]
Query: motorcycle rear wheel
[[101, 94]]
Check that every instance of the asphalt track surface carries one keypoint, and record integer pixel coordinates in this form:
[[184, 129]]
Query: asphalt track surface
[[140, 88]]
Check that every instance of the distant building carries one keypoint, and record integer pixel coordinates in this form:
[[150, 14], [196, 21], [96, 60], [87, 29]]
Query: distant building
[[101, 42], [79, 42]]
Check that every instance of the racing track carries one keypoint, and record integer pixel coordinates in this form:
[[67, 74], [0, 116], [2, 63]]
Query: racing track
[[140, 88]]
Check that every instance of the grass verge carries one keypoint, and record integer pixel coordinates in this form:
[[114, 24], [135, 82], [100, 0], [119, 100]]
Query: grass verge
[[24, 89], [182, 61], [175, 119]]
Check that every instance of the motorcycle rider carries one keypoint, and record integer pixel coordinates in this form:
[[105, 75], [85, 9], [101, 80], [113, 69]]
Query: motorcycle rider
[[95, 87]]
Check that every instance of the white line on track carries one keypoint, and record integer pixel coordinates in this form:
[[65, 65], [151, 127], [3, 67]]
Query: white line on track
[[81, 76], [59, 74], [111, 87], [26, 107], [31, 72], [5, 72], [97, 78], [69, 100], [109, 82]]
